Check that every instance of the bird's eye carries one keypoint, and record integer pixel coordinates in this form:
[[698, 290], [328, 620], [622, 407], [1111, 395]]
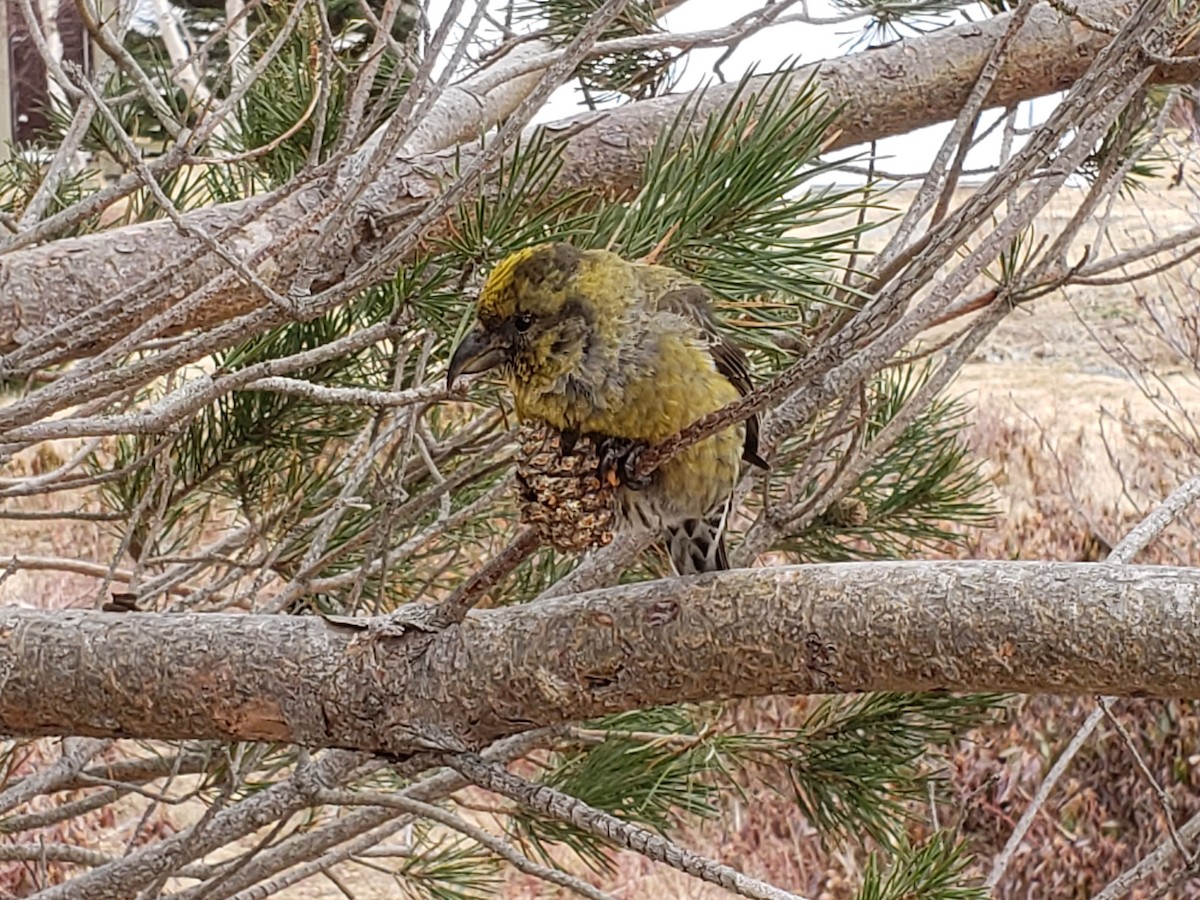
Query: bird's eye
[[523, 322]]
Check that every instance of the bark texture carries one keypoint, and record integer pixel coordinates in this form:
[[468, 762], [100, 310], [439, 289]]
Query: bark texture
[[883, 92], [961, 626]]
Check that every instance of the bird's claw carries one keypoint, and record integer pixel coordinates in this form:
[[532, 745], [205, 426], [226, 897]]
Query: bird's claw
[[618, 463], [567, 439]]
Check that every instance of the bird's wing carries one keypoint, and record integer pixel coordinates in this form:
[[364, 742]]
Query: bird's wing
[[691, 301]]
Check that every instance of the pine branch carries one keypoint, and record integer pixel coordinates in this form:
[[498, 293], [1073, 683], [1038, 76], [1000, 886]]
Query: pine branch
[[655, 778], [559, 806], [868, 322], [609, 168], [934, 870], [455, 608], [500, 848], [866, 627], [306, 853], [77, 753]]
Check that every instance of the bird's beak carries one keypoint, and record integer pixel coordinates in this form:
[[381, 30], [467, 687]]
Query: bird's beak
[[478, 352]]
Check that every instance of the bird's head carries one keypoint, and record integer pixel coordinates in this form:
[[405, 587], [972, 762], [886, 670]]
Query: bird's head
[[535, 317]]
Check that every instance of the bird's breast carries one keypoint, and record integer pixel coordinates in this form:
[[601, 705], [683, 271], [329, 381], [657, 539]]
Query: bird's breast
[[660, 386]]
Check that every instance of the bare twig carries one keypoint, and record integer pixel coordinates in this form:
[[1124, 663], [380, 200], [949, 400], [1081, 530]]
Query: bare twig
[[958, 137], [1140, 536], [499, 847], [474, 589], [76, 753], [78, 567], [1000, 863], [633, 837], [1164, 801], [1160, 858]]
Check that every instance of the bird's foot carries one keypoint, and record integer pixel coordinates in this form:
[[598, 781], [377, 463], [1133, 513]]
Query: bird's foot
[[567, 439], [618, 462]]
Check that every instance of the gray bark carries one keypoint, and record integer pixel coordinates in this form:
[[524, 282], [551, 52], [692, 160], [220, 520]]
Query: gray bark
[[959, 626]]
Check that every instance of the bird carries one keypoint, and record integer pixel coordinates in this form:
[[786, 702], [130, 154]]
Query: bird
[[628, 353]]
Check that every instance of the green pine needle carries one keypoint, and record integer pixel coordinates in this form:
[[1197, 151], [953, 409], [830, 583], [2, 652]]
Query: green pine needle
[[728, 199], [892, 20], [20, 176], [449, 869], [1152, 158], [654, 784], [915, 493], [855, 764], [637, 75], [933, 870]]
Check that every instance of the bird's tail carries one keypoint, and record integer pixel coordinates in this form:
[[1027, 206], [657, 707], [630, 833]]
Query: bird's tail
[[698, 545]]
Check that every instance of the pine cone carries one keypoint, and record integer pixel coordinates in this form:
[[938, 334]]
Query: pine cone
[[561, 494]]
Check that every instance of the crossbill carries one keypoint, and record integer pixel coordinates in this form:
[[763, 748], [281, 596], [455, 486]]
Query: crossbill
[[591, 344]]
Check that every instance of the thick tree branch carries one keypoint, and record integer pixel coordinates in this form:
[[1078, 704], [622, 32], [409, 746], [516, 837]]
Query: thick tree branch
[[969, 626], [884, 92]]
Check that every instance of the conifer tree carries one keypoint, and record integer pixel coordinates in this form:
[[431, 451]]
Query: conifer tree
[[265, 428]]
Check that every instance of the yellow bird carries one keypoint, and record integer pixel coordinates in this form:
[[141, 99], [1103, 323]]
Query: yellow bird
[[590, 343]]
